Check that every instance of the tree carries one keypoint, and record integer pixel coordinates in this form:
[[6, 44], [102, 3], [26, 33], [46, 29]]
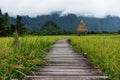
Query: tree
[[1, 26], [118, 31], [0, 12], [7, 29], [50, 28], [4, 25], [20, 25], [7, 24]]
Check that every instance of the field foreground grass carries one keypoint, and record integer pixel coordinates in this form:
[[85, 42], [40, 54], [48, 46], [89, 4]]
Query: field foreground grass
[[16, 62], [103, 52]]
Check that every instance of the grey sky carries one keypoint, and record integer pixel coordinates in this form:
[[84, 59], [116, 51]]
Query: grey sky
[[97, 8]]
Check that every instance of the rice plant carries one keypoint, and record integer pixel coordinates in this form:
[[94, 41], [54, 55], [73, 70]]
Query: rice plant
[[103, 52], [16, 62]]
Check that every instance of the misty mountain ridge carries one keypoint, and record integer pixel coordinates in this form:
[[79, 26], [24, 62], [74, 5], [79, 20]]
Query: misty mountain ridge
[[70, 22]]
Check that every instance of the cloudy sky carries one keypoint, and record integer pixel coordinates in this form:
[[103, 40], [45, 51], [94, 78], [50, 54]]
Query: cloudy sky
[[32, 8]]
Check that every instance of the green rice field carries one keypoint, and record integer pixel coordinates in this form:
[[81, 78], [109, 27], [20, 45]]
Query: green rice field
[[103, 51]]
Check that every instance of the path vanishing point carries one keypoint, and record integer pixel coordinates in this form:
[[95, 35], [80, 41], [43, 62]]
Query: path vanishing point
[[64, 63]]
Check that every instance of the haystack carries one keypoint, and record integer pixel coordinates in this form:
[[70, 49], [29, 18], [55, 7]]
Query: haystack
[[81, 28]]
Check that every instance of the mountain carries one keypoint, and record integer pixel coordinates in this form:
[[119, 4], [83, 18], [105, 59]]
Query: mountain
[[71, 21]]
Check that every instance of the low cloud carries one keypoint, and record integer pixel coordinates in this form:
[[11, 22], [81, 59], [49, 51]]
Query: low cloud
[[32, 8]]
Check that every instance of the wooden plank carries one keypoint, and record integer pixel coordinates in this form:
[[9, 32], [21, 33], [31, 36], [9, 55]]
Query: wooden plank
[[70, 63], [65, 69], [69, 67], [65, 58], [66, 73], [63, 53], [66, 78]]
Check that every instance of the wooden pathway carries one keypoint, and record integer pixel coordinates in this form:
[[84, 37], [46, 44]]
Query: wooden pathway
[[65, 64]]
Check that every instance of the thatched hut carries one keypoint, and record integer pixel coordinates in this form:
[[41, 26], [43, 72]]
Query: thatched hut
[[82, 29]]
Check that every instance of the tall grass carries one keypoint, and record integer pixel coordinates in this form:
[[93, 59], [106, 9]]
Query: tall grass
[[16, 62], [103, 52]]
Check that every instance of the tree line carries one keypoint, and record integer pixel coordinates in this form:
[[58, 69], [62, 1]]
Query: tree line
[[7, 28], [49, 28], [70, 22]]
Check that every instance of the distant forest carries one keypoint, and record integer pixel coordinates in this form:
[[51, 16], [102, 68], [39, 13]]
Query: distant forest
[[55, 24], [70, 22]]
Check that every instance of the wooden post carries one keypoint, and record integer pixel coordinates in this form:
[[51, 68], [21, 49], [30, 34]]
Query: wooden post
[[16, 42]]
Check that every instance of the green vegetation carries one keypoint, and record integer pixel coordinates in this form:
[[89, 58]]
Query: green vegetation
[[103, 52], [4, 24], [8, 29], [70, 22], [19, 56], [50, 28], [20, 25], [16, 62]]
